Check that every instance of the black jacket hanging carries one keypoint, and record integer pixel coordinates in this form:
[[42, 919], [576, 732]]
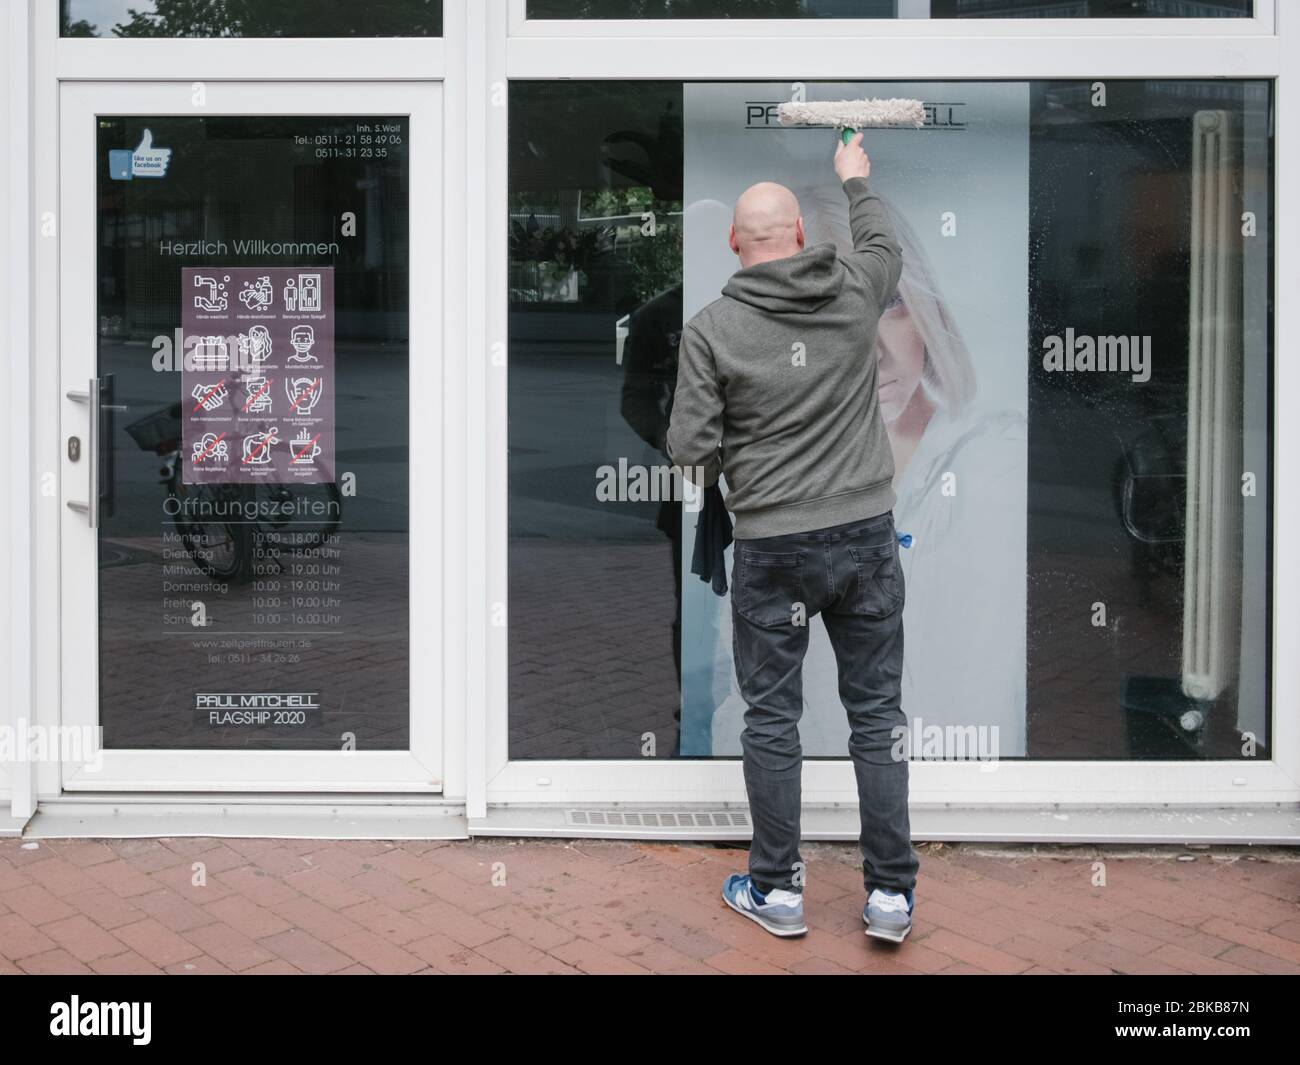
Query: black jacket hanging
[[712, 538]]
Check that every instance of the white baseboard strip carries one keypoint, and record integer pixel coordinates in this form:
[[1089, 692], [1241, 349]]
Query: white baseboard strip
[[317, 817], [267, 820]]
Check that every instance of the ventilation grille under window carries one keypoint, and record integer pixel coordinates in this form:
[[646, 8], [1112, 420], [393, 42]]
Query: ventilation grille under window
[[659, 818]]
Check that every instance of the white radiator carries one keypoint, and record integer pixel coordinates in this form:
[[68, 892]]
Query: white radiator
[[1212, 580]]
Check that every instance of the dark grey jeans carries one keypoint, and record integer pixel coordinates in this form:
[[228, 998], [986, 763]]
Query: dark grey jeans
[[850, 575]]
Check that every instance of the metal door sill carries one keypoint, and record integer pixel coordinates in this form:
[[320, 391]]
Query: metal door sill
[[318, 817]]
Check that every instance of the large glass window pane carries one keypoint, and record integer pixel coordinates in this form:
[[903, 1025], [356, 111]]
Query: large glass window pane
[[688, 9], [595, 312], [1082, 456], [250, 18], [253, 352]]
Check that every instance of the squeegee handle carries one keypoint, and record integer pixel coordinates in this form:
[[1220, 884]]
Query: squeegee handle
[[846, 134]]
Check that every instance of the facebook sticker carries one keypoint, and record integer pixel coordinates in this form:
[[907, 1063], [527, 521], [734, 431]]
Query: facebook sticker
[[144, 161]]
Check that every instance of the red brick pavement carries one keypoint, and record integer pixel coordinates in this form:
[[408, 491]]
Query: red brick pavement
[[545, 906]]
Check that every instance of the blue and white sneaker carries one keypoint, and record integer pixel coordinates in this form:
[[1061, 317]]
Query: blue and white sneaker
[[888, 915], [779, 911]]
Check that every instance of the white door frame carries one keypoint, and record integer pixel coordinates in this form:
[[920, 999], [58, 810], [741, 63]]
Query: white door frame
[[420, 768], [813, 50]]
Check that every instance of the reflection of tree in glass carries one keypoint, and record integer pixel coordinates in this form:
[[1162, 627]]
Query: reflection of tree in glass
[[662, 171], [657, 263], [533, 242], [283, 18], [566, 172], [68, 27]]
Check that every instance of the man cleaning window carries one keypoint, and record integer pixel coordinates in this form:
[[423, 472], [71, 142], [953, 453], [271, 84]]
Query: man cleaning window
[[774, 392]]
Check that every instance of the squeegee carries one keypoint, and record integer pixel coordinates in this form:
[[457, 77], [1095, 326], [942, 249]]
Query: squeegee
[[849, 116]]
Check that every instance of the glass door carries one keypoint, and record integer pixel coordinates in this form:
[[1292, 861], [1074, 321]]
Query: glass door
[[250, 327]]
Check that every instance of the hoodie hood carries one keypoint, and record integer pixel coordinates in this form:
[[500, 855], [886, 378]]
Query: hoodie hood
[[797, 284]]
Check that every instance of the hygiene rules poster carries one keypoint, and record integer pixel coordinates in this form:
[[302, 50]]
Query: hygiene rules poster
[[952, 353], [257, 389]]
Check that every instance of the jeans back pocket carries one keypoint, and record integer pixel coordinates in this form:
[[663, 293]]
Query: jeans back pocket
[[880, 579], [768, 585]]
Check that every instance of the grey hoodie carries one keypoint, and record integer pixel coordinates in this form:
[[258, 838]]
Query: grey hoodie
[[776, 384]]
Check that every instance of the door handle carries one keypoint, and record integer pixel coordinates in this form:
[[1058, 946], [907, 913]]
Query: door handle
[[90, 508]]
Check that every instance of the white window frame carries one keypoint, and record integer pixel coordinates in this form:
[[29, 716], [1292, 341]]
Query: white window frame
[[245, 58], [517, 48]]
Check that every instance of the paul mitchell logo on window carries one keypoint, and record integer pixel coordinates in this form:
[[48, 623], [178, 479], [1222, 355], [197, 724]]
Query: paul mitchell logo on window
[[257, 709], [940, 116], [256, 700], [134, 1019]]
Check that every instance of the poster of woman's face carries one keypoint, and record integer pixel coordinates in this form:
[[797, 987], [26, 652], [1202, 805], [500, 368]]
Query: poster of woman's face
[[952, 383], [900, 358]]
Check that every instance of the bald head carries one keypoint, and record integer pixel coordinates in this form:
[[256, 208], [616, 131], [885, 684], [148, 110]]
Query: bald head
[[766, 224]]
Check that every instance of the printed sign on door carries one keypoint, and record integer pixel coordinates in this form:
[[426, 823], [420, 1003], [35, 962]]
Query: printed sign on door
[[258, 380]]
